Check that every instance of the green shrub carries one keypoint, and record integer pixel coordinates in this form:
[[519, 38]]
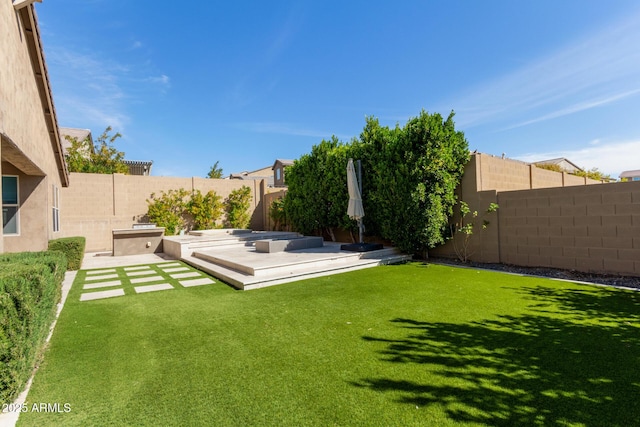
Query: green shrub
[[56, 261], [237, 206], [409, 178], [168, 210], [72, 247], [205, 209], [277, 214], [30, 286]]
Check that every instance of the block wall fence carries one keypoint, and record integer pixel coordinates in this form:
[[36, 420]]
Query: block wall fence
[[95, 204], [570, 224]]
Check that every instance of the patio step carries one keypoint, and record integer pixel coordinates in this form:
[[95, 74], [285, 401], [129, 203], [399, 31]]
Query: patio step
[[244, 275]]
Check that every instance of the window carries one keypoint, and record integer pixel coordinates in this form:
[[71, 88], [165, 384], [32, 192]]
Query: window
[[10, 199], [278, 173], [636, 178], [56, 208]]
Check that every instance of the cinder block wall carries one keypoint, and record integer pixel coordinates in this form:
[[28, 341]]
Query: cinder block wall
[[95, 204], [550, 219], [496, 173], [594, 228]]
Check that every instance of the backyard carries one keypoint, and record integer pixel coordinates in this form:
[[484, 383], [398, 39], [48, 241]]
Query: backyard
[[411, 344]]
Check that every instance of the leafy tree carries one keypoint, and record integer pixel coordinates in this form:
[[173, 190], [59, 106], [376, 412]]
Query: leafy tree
[[409, 181], [168, 210], [237, 207], [277, 214], [96, 157], [215, 171], [594, 173], [205, 209], [317, 185], [465, 226]]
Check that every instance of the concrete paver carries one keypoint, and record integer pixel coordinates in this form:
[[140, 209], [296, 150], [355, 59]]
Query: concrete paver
[[173, 264], [185, 275], [174, 269], [196, 282], [102, 284], [102, 294], [139, 267], [102, 277], [153, 288], [140, 273], [147, 279], [94, 272]]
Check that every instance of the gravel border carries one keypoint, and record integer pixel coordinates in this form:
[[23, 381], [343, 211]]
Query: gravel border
[[618, 281]]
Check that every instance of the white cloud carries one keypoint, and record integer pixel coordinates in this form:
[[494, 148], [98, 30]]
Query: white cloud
[[95, 91], [611, 158], [593, 71], [162, 80]]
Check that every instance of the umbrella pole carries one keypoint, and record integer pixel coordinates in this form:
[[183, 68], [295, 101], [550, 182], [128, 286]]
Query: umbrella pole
[[360, 223]]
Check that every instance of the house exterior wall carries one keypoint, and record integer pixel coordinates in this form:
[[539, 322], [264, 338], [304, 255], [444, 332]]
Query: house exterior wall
[[96, 204], [578, 226], [25, 129]]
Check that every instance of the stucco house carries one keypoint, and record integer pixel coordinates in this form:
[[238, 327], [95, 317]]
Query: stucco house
[[633, 175], [78, 134], [32, 163], [563, 163], [278, 168], [263, 173]]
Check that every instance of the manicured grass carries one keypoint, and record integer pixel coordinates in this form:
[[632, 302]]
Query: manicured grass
[[396, 345], [126, 277]]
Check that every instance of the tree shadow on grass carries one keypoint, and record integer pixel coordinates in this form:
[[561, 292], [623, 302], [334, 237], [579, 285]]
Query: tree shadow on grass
[[575, 363]]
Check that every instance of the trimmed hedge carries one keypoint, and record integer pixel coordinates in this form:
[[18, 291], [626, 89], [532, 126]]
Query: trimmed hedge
[[30, 288], [73, 248]]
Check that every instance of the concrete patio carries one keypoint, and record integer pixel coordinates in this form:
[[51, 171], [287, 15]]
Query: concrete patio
[[231, 256]]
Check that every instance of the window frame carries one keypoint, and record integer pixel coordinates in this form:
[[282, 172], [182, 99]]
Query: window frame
[[13, 205], [55, 208]]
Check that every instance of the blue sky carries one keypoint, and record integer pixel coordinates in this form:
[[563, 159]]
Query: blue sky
[[243, 83]]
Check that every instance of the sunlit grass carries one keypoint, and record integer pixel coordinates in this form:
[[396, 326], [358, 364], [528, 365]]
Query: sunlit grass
[[395, 345]]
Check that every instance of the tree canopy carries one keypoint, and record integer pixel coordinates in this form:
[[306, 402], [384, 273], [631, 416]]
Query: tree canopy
[[215, 171], [96, 157], [410, 174]]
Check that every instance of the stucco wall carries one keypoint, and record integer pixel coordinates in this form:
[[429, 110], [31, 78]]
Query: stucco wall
[[95, 204], [27, 150]]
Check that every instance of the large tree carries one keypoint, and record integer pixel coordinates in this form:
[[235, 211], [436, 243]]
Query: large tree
[[409, 178], [96, 157]]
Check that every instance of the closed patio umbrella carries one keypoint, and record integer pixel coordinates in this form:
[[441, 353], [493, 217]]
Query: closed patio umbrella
[[355, 209]]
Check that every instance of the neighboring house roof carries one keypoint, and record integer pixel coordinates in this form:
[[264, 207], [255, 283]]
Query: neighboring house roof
[[79, 134], [630, 174], [562, 162], [283, 162], [137, 167], [263, 173], [32, 36]]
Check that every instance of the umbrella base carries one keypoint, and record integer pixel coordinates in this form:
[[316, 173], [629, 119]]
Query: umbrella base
[[361, 247]]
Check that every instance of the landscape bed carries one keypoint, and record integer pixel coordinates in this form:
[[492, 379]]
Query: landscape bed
[[411, 344]]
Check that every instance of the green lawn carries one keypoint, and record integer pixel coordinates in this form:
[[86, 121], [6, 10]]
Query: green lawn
[[389, 346]]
